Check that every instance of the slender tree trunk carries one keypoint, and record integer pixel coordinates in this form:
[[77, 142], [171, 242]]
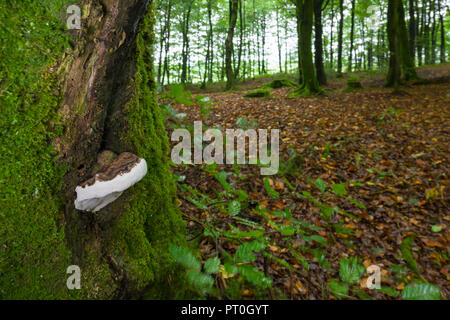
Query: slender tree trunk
[[433, 34], [241, 41], [279, 46], [264, 25], [331, 35], [340, 37], [185, 31], [234, 5], [352, 36], [441, 20], [412, 28], [320, 69]]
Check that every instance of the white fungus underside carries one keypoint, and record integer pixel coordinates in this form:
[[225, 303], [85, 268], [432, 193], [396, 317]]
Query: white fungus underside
[[101, 193]]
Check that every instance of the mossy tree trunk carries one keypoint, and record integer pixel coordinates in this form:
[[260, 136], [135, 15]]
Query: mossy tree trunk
[[305, 13], [98, 95], [400, 57]]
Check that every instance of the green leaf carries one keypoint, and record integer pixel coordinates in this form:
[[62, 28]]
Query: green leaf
[[319, 239], [407, 255], [421, 291], [254, 276], [246, 252], [212, 265], [186, 258], [339, 189], [222, 178], [436, 229], [338, 289], [234, 208], [321, 185], [351, 270], [200, 281], [272, 193], [388, 291]]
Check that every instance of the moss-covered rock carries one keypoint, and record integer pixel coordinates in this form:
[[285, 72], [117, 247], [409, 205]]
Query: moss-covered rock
[[280, 83], [352, 84], [259, 93]]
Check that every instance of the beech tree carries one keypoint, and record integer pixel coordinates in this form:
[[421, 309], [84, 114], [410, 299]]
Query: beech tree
[[400, 57]]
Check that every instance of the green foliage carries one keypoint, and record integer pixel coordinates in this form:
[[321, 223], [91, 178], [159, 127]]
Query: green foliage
[[338, 289], [407, 255], [421, 291], [270, 191], [234, 208], [201, 282], [212, 265], [351, 270]]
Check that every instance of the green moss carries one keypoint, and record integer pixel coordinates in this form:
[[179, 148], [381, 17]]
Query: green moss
[[259, 93], [280, 83], [33, 254], [33, 251], [352, 84], [152, 222]]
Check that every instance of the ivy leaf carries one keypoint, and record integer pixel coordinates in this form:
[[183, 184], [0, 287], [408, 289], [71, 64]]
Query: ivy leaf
[[421, 291]]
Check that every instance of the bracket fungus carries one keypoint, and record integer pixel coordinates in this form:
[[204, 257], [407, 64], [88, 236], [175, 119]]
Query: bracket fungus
[[110, 183]]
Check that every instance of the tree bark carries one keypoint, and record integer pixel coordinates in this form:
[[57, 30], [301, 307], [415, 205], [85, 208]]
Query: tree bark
[[104, 99], [400, 58], [234, 4], [352, 35], [305, 13], [441, 21], [340, 37], [412, 29], [320, 69]]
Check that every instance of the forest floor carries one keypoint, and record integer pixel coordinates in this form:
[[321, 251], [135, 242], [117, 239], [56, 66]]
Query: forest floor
[[364, 174]]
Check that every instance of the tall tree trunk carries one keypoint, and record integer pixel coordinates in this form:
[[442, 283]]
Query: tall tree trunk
[[234, 5], [412, 29], [320, 70], [264, 25], [185, 47], [352, 36], [331, 36], [441, 21], [102, 94], [241, 41], [340, 37], [208, 67], [433, 34], [400, 57], [279, 46], [305, 14]]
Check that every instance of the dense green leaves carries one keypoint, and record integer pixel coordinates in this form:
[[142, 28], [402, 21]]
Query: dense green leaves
[[421, 291]]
